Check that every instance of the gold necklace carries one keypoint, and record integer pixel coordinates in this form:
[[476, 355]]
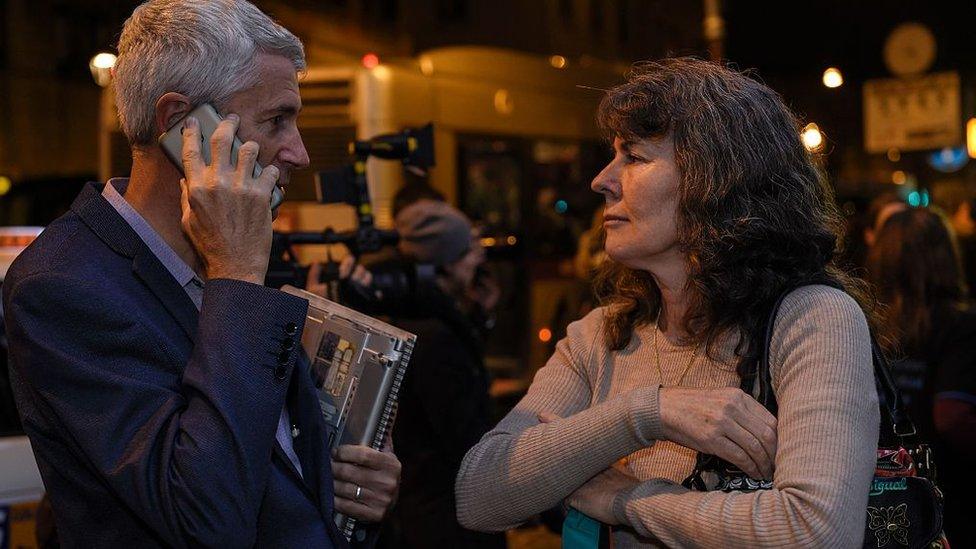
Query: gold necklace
[[657, 360]]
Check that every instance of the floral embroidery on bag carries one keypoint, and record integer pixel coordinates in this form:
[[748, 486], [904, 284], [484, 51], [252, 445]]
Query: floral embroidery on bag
[[889, 523], [742, 482]]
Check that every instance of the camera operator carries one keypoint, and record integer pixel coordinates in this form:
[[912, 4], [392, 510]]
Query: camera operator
[[444, 406]]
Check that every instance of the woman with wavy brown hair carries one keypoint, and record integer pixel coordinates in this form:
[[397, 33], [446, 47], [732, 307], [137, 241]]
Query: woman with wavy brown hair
[[713, 210], [916, 268]]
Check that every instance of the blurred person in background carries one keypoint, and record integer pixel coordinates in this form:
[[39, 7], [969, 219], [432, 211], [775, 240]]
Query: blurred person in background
[[589, 249], [444, 406], [577, 302], [713, 210], [862, 227], [416, 188], [915, 268], [484, 291], [957, 199], [590, 255], [879, 210]]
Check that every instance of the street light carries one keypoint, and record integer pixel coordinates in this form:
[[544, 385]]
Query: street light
[[504, 103], [426, 65], [370, 60], [812, 137], [101, 68], [832, 78], [971, 137]]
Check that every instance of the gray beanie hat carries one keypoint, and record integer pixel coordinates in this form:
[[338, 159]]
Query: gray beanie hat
[[433, 232]]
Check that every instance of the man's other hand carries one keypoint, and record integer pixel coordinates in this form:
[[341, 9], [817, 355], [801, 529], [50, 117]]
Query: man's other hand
[[367, 482], [226, 211]]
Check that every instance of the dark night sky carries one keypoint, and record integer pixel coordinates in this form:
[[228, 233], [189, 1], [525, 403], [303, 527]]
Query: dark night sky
[[783, 40], [790, 46]]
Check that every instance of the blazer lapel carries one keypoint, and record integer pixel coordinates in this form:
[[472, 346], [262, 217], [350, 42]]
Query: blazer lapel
[[147, 267], [109, 226], [279, 452], [303, 410], [315, 440], [317, 443]]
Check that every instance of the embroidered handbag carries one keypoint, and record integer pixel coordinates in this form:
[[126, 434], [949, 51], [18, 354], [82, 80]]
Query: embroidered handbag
[[904, 503]]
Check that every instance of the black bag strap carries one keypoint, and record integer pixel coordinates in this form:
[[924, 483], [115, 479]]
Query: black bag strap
[[896, 425]]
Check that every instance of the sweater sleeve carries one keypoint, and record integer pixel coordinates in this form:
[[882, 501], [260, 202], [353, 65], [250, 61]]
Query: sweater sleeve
[[523, 467], [827, 434]]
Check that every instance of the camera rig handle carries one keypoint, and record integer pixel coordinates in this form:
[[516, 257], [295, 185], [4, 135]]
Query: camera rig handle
[[414, 147], [360, 241]]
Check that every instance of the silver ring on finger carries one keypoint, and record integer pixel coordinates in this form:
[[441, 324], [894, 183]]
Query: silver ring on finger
[[359, 492]]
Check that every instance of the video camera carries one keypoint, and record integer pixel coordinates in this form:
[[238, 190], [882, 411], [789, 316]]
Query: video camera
[[395, 281]]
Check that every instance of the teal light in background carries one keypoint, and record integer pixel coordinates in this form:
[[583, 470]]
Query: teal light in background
[[561, 206], [918, 199]]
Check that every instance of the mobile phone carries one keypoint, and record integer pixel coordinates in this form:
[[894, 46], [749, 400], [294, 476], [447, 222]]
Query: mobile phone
[[172, 143]]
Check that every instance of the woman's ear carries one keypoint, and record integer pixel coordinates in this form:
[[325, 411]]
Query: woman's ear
[[170, 108]]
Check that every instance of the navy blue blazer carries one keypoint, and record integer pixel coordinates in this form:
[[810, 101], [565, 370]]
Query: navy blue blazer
[[154, 424]]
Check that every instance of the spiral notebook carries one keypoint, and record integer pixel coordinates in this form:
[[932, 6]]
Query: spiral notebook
[[358, 363]]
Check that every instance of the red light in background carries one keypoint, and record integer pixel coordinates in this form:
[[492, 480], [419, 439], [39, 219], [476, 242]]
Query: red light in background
[[371, 60], [545, 335]]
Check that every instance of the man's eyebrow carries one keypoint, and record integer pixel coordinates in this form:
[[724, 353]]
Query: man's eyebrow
[[282, 109], [626, 145]]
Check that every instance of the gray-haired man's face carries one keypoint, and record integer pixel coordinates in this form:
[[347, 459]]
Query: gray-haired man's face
[[269, 115]]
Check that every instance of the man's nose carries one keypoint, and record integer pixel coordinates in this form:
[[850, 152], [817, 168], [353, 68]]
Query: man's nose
[[294, 152]]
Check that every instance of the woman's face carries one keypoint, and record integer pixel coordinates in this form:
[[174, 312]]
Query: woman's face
[[640, 187]]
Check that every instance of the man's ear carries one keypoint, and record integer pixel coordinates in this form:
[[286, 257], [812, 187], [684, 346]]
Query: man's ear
[[170, 107]]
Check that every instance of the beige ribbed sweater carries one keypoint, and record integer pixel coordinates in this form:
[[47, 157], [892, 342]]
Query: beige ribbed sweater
[[827, 434]]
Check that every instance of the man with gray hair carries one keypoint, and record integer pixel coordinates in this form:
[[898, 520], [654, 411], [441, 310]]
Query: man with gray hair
[[161, 384]]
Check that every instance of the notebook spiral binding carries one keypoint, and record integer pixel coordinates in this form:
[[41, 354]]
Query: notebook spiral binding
[[385, 423]]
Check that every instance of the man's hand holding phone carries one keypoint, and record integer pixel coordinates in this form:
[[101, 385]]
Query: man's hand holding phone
[[225, 209]]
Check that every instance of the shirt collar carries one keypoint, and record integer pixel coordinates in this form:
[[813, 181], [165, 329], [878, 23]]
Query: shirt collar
[[113, 193]]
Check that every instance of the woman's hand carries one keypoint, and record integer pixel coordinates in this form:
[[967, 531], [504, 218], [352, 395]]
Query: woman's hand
[[725, 422], [595, 497]]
